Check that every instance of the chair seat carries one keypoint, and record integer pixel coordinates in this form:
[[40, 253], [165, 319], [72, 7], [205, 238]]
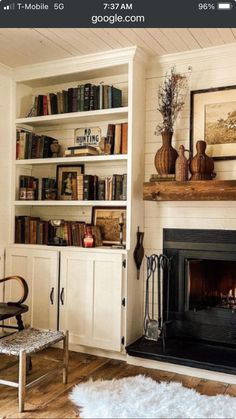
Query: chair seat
[[29, 340], [11, 310]]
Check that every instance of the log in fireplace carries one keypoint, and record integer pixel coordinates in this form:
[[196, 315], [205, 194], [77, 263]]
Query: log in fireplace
[[202, 301]]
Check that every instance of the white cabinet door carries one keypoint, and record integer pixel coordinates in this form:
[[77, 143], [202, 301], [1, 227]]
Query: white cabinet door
[[40, 269], [90, 304], [44, 267]]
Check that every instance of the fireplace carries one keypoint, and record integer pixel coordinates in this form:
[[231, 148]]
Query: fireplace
[[202, 301], [202, 285]]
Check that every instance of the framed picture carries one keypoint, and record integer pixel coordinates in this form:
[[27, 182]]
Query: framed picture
[[67, 181], [213, 118], [108, 221]]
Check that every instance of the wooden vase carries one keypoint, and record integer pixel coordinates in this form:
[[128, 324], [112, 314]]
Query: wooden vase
[[181, 166], [166, 156], [201, 166]]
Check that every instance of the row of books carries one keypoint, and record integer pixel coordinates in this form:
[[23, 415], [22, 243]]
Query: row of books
[[85, 97], [117, 136], [85, 187], [33, 230], [31, 188], [110, 188], [32, 146]]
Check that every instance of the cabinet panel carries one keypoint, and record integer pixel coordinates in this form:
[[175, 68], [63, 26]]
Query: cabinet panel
[[106, 314], [40, 269], [91, 309], [44, 289], [76, 296], [17, 263]]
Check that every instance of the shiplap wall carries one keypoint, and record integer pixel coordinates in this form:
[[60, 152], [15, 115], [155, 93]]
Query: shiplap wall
[[213, 67]]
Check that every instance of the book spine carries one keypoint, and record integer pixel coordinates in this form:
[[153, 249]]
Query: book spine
[[87, 89], [124, 138], [92, 98], [101, 189], [124, 187], [80, 187], [82, 87], [45, 105], [86, 184], [70, 99]]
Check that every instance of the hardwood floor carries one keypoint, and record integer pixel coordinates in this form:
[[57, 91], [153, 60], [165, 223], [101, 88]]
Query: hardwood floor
[[49, 399]]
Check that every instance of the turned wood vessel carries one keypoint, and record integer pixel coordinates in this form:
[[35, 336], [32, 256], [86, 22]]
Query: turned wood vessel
[[201, 165]]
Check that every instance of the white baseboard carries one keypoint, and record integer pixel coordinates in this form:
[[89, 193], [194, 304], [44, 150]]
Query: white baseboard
[[181, 369], [98, 352]]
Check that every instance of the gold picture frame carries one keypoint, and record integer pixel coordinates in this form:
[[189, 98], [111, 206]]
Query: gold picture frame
[[107, 218]]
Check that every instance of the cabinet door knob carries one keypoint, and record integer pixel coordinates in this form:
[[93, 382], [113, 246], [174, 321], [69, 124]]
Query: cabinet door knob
[[52, 296], [62, 296]]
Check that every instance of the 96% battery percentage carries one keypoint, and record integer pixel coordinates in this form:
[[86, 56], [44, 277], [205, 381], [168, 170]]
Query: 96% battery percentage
[[206, 6]]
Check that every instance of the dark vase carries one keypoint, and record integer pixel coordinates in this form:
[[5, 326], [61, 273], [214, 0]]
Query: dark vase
[[139, 251], [166, 156], [201, 166]]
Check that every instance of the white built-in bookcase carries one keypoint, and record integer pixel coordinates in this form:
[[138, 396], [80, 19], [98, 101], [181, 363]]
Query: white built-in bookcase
[[124, 69]]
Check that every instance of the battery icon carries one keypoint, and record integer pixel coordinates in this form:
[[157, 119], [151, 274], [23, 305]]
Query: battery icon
[[224, 6]]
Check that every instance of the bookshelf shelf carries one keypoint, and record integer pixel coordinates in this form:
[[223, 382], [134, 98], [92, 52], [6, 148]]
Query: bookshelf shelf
[[101, 249], [74, 117], [69, 160], [70, 203]]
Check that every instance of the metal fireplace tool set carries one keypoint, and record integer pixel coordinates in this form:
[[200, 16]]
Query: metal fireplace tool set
[[157, 288]]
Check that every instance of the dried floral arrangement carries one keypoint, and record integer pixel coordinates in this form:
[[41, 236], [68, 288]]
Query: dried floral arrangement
[[171, 99]]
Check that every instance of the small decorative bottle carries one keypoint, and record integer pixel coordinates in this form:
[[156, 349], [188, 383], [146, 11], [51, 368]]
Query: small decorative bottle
[[88, 239], [181, 166]]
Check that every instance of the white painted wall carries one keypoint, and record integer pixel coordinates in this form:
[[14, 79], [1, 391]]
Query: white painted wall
[[5, 155], [213, 67]]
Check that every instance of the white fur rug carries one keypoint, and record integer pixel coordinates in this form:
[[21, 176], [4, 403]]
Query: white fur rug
[[142, 397]]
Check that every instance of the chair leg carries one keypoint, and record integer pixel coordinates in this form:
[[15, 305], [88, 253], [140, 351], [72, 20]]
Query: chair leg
[[22, 380], [20, 323], [65, 357]]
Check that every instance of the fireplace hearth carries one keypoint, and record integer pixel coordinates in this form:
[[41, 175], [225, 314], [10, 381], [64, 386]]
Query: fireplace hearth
[[202, 301]]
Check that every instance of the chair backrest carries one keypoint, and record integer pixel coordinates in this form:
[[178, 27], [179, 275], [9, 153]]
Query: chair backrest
[[24, 286]]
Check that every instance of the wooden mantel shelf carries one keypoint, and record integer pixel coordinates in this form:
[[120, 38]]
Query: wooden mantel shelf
[[210, 190]]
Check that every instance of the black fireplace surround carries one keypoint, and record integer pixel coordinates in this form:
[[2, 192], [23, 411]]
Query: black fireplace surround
[[202, 301]]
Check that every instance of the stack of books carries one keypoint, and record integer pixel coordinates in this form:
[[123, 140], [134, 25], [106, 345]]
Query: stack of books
[[32, 146], [33, 230], [162, 178], [85, 97], [78, 151]]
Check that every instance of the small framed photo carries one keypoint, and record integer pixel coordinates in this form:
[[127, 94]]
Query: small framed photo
[[108, 220], [213, 119], [67, 181]]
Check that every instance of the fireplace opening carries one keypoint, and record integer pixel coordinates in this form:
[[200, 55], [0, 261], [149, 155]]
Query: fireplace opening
[[199, 301], [211, 283]]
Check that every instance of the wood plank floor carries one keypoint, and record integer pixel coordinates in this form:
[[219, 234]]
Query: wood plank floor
[[49, 399]]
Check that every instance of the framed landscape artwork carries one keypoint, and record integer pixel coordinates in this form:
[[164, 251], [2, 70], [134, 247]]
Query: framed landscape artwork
[[213, 119], [108, 221]]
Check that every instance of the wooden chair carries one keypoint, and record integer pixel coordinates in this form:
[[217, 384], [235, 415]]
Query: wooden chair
[[14, 309]]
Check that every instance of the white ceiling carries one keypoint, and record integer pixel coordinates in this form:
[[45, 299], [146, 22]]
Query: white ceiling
[[28, 46]]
